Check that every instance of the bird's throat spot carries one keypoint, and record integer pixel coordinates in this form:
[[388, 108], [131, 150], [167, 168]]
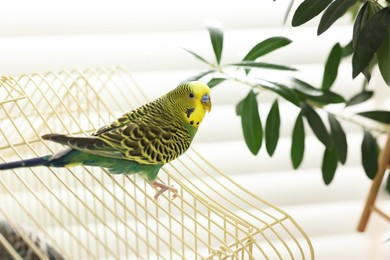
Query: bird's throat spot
[[189, 111], [193, 123]]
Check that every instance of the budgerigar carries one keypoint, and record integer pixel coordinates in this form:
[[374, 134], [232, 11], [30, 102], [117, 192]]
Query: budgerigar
[[139, 142], [17, 239]]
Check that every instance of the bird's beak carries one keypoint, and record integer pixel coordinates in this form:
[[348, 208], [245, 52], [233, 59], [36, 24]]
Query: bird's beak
[[206, 102]]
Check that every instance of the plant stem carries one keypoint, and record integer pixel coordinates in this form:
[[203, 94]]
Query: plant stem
[[380, 130], [243, 80]]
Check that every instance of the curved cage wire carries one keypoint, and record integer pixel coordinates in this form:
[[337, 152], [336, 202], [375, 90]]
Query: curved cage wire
[[85, 212]]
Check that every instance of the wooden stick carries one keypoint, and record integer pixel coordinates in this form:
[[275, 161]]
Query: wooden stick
[[383, 162], [381, 213]]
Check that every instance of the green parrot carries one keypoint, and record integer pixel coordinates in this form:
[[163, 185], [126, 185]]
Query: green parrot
[[139, 142]]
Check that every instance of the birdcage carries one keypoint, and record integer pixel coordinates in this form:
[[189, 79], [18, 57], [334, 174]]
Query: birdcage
[[87, 213]]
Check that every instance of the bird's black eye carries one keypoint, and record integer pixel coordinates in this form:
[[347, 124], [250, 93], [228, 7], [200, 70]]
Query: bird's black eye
[[191, 95]]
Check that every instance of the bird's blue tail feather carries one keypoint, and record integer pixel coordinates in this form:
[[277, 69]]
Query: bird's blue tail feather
[[26, 163]]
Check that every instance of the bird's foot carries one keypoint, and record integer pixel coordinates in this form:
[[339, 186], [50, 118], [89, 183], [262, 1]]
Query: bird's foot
[[161, 188]]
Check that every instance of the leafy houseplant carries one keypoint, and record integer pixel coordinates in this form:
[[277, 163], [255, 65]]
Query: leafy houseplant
[[369, 46]]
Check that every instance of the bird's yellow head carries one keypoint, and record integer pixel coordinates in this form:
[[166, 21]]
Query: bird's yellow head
[[192, 99]]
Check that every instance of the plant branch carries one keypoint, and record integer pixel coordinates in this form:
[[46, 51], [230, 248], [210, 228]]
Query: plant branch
[[379, 129], [244, 80]]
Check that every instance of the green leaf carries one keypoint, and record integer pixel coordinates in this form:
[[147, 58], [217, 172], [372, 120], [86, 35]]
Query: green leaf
[[261, 65], [307, 10], [239, 107], [367, 71], [388, 187], [327, 98], [359, 98], [339, 138], [272, 128], [288, 11], [251, 123], [216, 36], [215, 81], [353, 11], [347, 50], [298, 142], [331, 67], [369, 40], [305, 88], [316, 124], [265, 47], [383, 55], [377, 115], [329, 164], [281, 90], [334, 12], [196, 55], [361, 18], [199, 75], [369, 154]]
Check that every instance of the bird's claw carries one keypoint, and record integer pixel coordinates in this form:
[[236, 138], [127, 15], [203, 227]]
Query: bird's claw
[[161, 188]]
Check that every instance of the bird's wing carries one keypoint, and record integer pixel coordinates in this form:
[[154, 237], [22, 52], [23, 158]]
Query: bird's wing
[[92, 144], [119, 122], [144, 135], [137, 141], [151, 142]]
